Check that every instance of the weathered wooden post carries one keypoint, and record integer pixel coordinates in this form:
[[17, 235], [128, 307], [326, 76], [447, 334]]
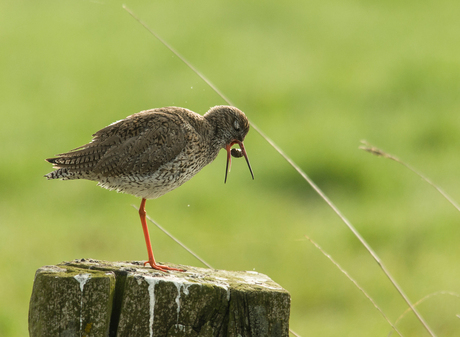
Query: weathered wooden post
[[98, 298]]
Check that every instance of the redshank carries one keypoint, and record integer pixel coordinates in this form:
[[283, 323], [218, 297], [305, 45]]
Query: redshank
[[154, 151]]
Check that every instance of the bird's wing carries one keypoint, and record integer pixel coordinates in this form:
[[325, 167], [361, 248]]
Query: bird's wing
[[138, 144]]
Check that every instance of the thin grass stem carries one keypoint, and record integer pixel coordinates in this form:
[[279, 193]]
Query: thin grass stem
[[355, 283], [300, 171], [177, 240], [443, 292], [294, 333], [380, 153]]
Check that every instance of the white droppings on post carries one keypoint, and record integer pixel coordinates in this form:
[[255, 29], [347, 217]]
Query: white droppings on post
[[152, 281], [227, 288], [178, 286], [82, 279], [224, 285]]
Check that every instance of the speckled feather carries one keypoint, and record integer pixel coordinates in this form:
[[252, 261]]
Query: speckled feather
[[152, 152]]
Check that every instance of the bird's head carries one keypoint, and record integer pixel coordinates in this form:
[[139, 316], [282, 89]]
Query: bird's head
[[231, 127]]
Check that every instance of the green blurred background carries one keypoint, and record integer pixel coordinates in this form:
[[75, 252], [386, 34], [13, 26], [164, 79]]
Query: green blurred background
[[316, 76]]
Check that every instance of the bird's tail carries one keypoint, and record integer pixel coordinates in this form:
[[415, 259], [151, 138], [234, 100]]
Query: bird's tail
[[62, 174]]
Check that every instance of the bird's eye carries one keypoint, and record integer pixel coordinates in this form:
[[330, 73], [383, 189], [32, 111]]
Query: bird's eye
[[236, 125]]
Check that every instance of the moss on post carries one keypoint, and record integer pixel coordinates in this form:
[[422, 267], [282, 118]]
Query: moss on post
[[67, 300], [98, 298]]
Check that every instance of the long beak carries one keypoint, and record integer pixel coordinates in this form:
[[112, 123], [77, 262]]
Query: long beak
[[229, 157]]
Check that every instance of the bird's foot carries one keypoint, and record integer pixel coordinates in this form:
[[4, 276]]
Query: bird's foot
[[161, 267]]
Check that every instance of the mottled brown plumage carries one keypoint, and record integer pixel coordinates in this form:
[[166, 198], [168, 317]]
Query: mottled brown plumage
[[152, 152]]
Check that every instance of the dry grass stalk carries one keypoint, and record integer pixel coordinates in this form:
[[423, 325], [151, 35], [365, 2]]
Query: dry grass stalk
[[301, 172]]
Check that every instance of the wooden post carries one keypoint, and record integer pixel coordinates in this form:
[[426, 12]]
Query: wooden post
[[99, 298]]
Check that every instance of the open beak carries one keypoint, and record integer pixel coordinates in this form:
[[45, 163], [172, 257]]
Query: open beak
[[229, 157]]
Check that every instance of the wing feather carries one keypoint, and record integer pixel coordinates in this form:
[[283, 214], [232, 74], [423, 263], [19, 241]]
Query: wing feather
[[138, 144]]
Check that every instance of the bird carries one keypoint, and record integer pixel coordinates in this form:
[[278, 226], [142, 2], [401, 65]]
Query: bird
[[154, 151]]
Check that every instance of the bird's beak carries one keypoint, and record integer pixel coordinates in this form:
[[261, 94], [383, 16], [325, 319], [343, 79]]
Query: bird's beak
[[229, 157]]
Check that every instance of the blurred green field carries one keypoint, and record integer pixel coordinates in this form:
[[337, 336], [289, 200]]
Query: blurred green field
[[317, 77]]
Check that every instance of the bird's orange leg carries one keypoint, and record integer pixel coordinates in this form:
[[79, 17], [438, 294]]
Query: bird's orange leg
[[151, 260]]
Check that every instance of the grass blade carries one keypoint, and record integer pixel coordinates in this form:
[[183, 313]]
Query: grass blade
[[356, 284], [177, 240], [300, 171], [380, 153]]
